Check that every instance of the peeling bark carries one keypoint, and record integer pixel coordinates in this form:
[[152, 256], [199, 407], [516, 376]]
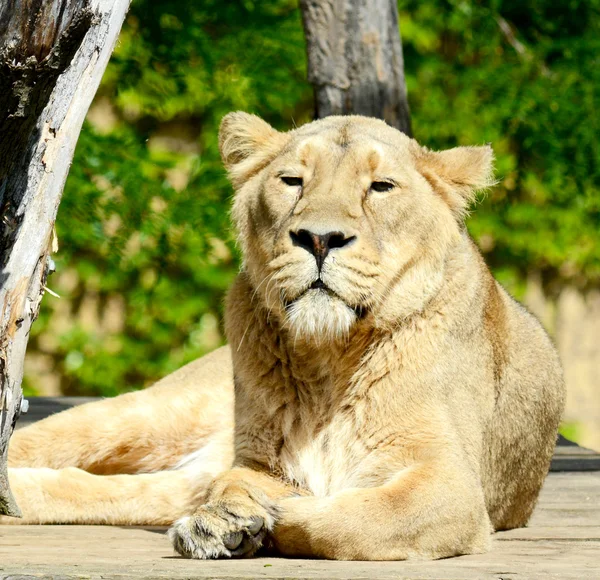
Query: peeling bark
[[52, 56], [355, 60]]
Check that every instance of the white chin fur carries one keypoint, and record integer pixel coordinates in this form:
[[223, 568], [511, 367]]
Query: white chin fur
[[319, 315]]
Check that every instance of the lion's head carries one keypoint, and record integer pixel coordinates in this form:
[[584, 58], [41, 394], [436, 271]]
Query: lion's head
[[346, 219]]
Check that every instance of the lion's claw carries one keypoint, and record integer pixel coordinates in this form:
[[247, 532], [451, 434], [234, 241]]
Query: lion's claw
[[232, 541], [256, 525]]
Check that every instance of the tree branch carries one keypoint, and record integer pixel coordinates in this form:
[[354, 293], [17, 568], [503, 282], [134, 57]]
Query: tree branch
[[52, 56]]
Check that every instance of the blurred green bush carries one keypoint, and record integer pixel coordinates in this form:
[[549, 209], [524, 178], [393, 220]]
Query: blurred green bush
[[146, 252]]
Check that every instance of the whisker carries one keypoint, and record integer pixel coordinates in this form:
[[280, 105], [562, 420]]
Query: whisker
[[261, 283], [243, 336]]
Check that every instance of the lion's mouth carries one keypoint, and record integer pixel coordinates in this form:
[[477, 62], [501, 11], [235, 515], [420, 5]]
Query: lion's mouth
[[319, 285]]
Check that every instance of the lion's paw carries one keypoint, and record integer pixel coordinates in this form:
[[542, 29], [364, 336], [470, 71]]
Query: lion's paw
[[216, 531]]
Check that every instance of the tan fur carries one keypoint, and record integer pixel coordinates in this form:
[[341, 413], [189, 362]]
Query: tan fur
[[184, 421], [403, 411]]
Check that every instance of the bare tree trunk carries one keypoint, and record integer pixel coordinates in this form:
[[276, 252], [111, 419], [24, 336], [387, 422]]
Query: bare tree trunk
[[355, 59], [52, 56]]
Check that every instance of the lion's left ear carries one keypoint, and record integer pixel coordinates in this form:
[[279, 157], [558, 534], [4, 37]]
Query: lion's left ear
[[457, 174], [247, 144]]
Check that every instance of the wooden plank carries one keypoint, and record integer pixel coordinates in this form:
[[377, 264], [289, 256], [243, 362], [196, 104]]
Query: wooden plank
[[575, 461], [42, 407], [137, 553], [554, 545]]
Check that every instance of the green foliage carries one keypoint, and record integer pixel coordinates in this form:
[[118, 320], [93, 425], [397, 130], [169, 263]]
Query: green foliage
[[532, 91], [145, 246], [146, 252], [571, 431]]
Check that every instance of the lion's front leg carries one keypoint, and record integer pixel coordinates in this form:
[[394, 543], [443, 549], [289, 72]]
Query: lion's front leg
[[428, 511], [240, 511]]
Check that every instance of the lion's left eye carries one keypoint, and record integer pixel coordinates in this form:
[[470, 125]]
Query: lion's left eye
[[381, 186], [293, 181]]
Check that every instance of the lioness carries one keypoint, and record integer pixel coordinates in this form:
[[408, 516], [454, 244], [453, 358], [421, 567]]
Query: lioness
[[391, 400]]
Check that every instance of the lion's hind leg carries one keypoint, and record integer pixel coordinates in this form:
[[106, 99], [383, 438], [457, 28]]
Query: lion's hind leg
[[139, 432], [142, 458]]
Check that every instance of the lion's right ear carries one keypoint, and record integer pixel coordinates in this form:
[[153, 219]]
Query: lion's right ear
[[247, 144]]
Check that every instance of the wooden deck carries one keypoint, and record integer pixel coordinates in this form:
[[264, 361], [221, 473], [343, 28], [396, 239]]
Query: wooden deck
[[562, 541]]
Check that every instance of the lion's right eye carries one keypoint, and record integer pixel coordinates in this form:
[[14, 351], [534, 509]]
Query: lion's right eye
[[292, 181], [381, 186]]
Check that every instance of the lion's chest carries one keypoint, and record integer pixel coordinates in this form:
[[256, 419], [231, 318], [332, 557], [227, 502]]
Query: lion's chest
[[311, 431], [327, 460]]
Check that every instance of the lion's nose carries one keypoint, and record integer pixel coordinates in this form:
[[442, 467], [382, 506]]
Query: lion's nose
[[320, 244]]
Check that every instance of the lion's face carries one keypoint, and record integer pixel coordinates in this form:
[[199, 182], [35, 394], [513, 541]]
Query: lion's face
[[345, 219]]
